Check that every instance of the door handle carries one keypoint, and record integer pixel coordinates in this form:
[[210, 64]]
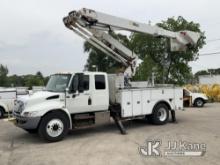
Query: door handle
[[89, 101], [87, 94]]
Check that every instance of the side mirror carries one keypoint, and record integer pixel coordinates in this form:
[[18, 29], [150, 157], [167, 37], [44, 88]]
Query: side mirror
[[67, 90], [74, 84], [77, 84]]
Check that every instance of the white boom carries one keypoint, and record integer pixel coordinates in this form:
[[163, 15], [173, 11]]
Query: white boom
[[93, 26]]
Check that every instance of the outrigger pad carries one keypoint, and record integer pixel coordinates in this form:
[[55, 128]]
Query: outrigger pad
[[120, 125], [173, 115]]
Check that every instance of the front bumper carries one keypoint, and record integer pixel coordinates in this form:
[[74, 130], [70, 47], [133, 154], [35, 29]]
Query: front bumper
[[26, 122]]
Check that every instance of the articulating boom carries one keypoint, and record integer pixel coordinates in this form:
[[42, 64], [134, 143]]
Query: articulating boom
[[94, 26]]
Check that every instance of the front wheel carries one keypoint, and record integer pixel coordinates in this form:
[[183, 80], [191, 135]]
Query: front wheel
[[199, 103], [160, 114], [54, 126]]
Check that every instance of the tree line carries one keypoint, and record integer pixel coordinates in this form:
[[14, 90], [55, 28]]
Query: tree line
[[19, 81], [208, 72]]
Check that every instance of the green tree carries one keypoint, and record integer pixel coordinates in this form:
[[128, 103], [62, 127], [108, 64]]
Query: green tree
[[171, 66], [39, 75], [146, 69], [3, 75], [206, 72], [46, 79], [101, 60], [15, 81], [34, 80], [26, 80]]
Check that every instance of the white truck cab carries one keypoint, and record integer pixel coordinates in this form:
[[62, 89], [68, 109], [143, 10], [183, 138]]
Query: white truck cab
[[73, 100], [64, 95], [196, 99]]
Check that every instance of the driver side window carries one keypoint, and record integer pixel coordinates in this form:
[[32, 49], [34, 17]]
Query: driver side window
[[75, 83]]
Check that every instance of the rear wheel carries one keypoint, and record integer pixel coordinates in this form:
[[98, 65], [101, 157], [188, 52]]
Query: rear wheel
[[2, 112], [199, 103], [160, 114], [54, 126]]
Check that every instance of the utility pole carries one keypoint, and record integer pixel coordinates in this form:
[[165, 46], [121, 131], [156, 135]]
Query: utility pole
[[152, 79]]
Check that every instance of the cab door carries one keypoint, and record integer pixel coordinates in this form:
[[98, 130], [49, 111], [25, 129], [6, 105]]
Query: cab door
[[78, 100], [100, 94]]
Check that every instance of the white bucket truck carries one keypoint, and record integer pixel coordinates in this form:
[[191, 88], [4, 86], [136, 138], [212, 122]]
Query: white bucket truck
[[73, 100]]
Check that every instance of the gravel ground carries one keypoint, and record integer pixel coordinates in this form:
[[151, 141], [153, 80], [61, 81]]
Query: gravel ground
[[104, 144]]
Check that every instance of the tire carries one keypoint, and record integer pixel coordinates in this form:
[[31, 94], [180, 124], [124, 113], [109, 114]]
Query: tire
[[199, 103], [31, 131], [149, 119], [2, 112], [160, 114], [53, 127]]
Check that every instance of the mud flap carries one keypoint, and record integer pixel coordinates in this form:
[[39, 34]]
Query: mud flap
[[173, 116]]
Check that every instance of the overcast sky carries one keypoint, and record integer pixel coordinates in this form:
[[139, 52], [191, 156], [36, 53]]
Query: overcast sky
[[33, 37]]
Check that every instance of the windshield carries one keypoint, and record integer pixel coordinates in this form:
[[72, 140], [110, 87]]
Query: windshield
[[58, 83]]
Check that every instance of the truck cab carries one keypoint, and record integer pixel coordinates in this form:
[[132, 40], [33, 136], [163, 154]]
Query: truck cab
[[51, 112]]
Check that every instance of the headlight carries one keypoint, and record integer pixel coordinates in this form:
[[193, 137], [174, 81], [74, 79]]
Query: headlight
[[30, 114]]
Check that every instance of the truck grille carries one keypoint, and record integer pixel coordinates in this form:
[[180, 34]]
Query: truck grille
[[19, 107]]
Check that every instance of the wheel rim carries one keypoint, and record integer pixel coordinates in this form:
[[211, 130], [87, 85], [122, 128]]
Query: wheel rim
[[162, 114], [54, 127], [199, 103]]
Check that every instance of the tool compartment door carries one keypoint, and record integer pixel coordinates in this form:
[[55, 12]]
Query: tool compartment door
[[147, 104], [126, 103], [178, 95], [136, 103]]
